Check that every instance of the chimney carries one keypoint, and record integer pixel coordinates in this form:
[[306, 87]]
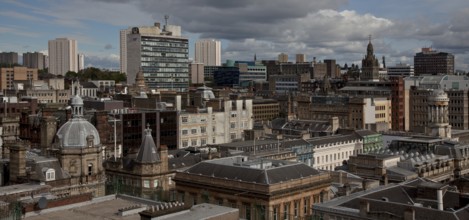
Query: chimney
[[409, 214], [439, 197], [364, 208], [17, 161], [158, 25]]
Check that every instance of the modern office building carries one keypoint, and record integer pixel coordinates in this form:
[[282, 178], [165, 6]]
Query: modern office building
[[251, 71], [63, 56], [34, 60], [208, 52], [8, 58], [123, 42], [433, 62], [9, 75], [162, 55], [400, 70]]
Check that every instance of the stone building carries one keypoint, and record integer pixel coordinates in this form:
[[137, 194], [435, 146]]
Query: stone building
[[144, 175], [261, 189], [370, 65], [78, 147]]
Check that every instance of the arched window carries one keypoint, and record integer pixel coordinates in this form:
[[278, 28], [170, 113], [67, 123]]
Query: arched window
[[90, 169], [50, 174]]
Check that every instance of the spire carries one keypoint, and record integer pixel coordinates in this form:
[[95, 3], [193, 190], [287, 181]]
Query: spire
[[148, 151], [255, 57], [369, 49]]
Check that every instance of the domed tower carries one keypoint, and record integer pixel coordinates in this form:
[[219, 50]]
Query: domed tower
[[438, 119], [79, 149], [370, 65]]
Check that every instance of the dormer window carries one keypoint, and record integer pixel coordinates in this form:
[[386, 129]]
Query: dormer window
[[50, 174]]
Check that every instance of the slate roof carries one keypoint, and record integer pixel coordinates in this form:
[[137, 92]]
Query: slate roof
[[39, 165], [333, 139], [280, 172], [148, 151], [394, 199]]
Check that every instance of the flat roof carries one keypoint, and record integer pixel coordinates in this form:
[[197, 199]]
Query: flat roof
[[104, 209], [201, 211]]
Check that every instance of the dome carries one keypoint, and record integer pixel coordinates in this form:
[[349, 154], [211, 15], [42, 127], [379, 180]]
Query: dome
[[206, 92], [73, 134], [438, 95]]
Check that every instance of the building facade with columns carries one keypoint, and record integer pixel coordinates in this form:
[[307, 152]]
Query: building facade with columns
[[261, 189]]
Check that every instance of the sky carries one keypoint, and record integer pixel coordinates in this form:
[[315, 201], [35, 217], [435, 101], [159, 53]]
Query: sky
[[325, 29]]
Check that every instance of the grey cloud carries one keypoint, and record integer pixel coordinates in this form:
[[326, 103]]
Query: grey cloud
[[108, 46], [101, 62]]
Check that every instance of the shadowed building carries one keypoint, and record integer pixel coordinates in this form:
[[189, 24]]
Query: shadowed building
[[261, 189]]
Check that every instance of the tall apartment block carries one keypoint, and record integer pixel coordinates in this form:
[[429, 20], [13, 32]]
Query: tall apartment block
[[62, 56], [161, 54], [283, 58], [34, 60], [8, 58], [300, 58], [433, 62], [81, 61], [208, 52]]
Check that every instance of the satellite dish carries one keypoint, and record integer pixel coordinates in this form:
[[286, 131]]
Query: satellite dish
[[42, 203]]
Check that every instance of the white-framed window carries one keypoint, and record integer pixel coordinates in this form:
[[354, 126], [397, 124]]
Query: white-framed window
[[194, 142], [146, 183], [194, 131], [170, 181], [233, 125], [50, 174], [203, 129], [185, 143], [184, 119], [155, 183], [184, 132]]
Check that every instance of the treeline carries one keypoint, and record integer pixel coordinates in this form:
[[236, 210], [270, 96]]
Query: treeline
[[93, 73]]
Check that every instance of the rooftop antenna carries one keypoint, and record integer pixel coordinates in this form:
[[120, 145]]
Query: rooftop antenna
[[166, 17]]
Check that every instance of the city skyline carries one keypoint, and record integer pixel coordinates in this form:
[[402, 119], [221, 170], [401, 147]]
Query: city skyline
[[335, 29]]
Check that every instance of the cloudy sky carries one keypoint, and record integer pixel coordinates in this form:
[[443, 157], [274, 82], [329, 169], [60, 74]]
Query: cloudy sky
[[326, 29]]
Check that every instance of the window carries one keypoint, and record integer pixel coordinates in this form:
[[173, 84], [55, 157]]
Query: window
[[296, 207], [203, 142], [203, 129], [170, 181], [155, 183], [146, 183], [184, 132], [194, 131], [184, 119], [275, 217], [50, 174], [185, 143], [90, 169], [233, 125], [286, 206], [305, 205], [194, 142]]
